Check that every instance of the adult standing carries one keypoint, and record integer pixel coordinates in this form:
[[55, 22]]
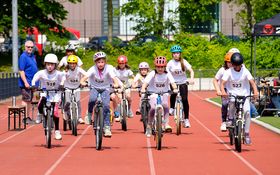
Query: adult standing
[[27, 69], [178, 68]]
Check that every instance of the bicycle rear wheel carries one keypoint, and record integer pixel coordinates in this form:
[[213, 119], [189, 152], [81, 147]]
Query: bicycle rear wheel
[[74, 120], [48, 130], [158, 129], [178, 118], [124, 115], [238, 136], [231, 135], [99, 127]]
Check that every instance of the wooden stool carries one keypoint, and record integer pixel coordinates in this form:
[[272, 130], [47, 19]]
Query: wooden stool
[[16, 110]]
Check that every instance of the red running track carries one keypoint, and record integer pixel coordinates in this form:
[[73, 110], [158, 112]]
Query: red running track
[[201, 149]]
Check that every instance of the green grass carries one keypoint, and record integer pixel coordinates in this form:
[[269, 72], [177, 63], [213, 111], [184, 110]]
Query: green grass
[[217, 100], [273, 121]]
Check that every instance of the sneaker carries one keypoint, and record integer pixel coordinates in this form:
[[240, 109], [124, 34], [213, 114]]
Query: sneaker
[[88, 119], [107, 131], [27, 120], [223, 127], [138, 112], [258, 116], [39, 119], [117, 119], [130, 114], [81, 121], [247, 139], [57, 135], [229, 123], [148, 132], [167, 128], [65, 117], [187, 123], [171, 111]]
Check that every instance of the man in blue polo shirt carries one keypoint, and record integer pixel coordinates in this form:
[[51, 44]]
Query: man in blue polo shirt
[[27, 69]]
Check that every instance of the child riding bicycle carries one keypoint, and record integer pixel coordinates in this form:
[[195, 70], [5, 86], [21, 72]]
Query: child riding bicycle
[[73, 75], [50, 78], [239, 80], [123, 72], [217, 80], [139, 79], [178, 67], [159, 80], [100, 76]]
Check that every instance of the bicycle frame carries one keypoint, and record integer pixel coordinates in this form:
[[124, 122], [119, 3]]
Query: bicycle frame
[[145, 108], [74, 110], [123, 108]]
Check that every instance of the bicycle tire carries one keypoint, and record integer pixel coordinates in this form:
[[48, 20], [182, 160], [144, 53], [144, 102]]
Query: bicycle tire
[[238, 136], [74, 121], [144, 115], [48, 130], [158, 129], [99, 128], [231, 135], [64, 125], [178, 118], [124, 116]]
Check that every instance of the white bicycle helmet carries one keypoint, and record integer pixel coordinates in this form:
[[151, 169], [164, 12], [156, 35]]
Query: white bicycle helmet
[[234, 50], [98, 55], [144, 65], [70, 47], [51, 58]]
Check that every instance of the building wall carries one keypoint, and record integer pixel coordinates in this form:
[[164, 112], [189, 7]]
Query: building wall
[[228, 19], [85, 17]]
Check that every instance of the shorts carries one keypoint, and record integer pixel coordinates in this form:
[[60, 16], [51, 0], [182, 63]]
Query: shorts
[[27, 94]]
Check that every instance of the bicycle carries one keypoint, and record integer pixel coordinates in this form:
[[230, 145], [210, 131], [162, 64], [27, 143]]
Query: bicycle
[[236, 130], [48, 113], [98, 120], [123, 107], [157, 122], [179, 111], [74, 111]]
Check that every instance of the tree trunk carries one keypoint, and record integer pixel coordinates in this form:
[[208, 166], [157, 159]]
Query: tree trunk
[[159, 27], [110, 20]]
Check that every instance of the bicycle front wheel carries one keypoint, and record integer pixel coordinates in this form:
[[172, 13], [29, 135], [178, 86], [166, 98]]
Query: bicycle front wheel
[[238, 136], [48, 130], [158, 129], [144, 115], [124, 115], [178, 118], [99, 127], [74, 121]]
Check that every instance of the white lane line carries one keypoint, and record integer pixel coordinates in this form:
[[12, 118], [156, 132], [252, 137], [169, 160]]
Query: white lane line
[[12, 136], [221, 141], [151, 160], [51, 169]]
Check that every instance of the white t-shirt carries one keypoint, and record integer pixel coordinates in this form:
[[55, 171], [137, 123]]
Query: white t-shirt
[[159, 82], [219, 76], [238, 82], [72, 78], [63, 62], [123, 75], [174, 67], [139, 79], [49, 81], [103, 79]]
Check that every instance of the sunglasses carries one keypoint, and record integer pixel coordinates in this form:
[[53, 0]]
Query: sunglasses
[[29, 47]]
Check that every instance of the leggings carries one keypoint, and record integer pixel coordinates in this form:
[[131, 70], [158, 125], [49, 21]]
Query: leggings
[[184, 94]]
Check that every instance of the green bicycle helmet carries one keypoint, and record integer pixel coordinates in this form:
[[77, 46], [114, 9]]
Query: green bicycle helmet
[[176, 48]]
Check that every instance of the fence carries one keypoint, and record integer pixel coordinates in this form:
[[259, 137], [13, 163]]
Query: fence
[[203, 80], [9, 85]]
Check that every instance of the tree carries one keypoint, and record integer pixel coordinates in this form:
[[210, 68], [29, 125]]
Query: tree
[[195, 12], [148, 15], [253, 11], [43, 14]]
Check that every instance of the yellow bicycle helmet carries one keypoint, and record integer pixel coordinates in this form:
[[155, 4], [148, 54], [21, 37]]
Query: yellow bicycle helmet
[[72, 59]]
